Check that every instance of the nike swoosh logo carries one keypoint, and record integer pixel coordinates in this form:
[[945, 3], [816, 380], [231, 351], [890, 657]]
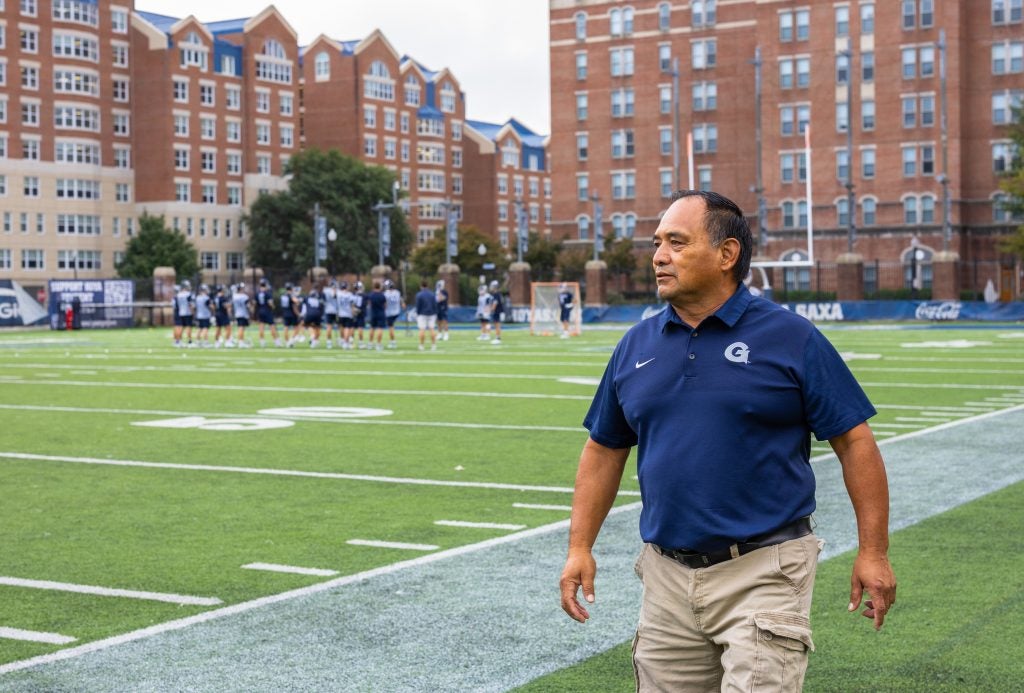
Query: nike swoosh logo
[[641, 365]]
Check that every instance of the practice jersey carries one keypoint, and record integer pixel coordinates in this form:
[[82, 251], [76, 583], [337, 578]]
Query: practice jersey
[[346, 304], [330, 300], [265, 298], [442, 300], [240, 304], [312, 308], [565, 299], [483, 305], [220, 305], [497, 307], [394, 302], [203, 307], [183, 303], [285, 301]]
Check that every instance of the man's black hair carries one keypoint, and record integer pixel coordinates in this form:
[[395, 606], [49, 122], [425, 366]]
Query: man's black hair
[[724, 219]]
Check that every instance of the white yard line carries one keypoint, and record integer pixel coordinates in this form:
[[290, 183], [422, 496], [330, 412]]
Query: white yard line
[[378, 544], [316, 419], [242, 607], [539, 506], [35, 636], [318, 390], [294, 472], [478, 525], [277, 568], [183, 599]]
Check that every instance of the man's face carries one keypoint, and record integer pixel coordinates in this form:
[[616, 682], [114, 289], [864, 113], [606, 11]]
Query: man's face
[[686, 266]]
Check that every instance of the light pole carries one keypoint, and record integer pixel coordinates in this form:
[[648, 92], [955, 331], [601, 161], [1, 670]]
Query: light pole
[[916, 255], [332, 236], [481, 250], [598, 237], [851, 227]]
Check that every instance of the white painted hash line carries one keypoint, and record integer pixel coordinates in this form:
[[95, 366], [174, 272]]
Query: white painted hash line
[[541, 506], [392, 545], [478, 525], [294, 569], [182, 599], [35, 636]]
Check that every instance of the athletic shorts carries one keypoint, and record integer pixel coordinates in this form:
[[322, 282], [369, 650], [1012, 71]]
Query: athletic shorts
[[347, 323], [266, 316], [204, 323], [564, 316], [378, 322], [185, 320], [484, 321], [242, 322], [426, 322], [291, 320], [360, 321], [442, 314], [331, 319], [223, 320], [496, 319], [392, 319], [313, 321]]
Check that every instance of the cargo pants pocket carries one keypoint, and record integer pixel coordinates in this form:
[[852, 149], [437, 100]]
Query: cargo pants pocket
[[783, 643]]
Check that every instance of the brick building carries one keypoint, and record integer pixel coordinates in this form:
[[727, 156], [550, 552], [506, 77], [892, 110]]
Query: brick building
[[506, 169], [107, 112], [613, 120]]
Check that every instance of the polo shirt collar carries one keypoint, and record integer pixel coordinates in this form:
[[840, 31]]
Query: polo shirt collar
[[729, 313]]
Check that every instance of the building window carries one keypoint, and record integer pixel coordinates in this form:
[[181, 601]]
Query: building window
[[867, 66], [705, 96], [208, 161], [378, 84], [1007, 11], [621, 62], [842, 68], [842, 21], [181, 91], [867, 163], [665, 57], [703, 54], [842, 116], [909, 157], [181, 159], [581, 66], [664, 16], [233, 98], [704, 178], [1007, 57], [581, 26], [927, 154], [322, 66], [867, 19], [842, 212], [926, 61], [193, 53], [623, 185], [665, 141], [33, 259], [867, 115], [842, 165], [1003, 103], [448, 98], [868, 211], [370, 116], [702, 13], [623, 103], [370, 146], [665, 182], [927, 13], [664, 100], [581, 106], [412, 91], [705, 139], [622, 144], [582, 142], [620, 22], [908, 12], [582, 187], [120, 90]]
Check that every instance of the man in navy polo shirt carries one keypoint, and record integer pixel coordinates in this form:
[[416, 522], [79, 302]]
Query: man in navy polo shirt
[[720, 393]]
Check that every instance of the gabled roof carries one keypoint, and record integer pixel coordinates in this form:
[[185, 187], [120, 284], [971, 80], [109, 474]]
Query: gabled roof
[[343, 47], [228, 26], [377, 35], [160, 21], [270, 10]]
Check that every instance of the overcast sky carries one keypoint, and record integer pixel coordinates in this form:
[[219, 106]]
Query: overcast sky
[[498, 50]]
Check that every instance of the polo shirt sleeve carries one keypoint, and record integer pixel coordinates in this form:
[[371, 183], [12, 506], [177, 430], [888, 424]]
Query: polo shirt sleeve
[[834, 401], [605, 420]]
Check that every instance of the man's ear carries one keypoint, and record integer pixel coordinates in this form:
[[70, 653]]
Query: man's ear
[[729, 254]]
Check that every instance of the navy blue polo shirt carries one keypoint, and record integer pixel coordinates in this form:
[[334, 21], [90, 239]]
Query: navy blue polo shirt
[[722, 414]]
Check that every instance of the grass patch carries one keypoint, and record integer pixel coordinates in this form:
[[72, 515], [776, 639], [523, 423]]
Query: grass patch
[[960, 608]]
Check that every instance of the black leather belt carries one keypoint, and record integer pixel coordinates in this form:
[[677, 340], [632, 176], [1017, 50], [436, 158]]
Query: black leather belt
[[696, 559]]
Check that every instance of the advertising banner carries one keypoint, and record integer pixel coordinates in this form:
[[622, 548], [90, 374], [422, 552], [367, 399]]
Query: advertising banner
[[95, 303], [17, 308]]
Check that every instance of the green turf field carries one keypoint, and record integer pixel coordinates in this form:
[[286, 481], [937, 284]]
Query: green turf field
[[139, 480]]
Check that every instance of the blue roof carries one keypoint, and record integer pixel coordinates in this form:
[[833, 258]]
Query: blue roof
[[222, 48], [533, 144], [429, 112], [160, 21], [227, 26]]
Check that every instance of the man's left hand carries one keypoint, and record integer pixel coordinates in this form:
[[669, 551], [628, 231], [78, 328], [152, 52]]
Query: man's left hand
[[873, 574]]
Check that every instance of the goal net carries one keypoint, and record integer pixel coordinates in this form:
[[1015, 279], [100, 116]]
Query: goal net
[[546, 308]]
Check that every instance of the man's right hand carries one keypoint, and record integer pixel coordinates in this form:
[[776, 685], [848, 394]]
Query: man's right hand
[[579, 571]]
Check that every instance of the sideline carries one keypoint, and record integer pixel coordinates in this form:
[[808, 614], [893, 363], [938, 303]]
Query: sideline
[[430, 624]]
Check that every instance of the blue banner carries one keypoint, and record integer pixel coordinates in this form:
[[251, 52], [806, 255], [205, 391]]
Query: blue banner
[[94, 303]]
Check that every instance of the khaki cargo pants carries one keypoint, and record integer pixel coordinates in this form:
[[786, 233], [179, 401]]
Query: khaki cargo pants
[[740, 625]]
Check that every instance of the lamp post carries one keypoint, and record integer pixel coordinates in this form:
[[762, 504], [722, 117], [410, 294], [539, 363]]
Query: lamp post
[[481, 250], [332, 236], [851, 226], [598, 237], [916, 255]]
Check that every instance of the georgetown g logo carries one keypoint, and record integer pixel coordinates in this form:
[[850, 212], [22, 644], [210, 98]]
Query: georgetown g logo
[[737, 352]]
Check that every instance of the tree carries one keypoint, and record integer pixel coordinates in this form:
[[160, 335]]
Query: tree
[[426, 259], [542, 254], [1012, 184], [618, 255], [281, 233], [573, 264], [157, 246]]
